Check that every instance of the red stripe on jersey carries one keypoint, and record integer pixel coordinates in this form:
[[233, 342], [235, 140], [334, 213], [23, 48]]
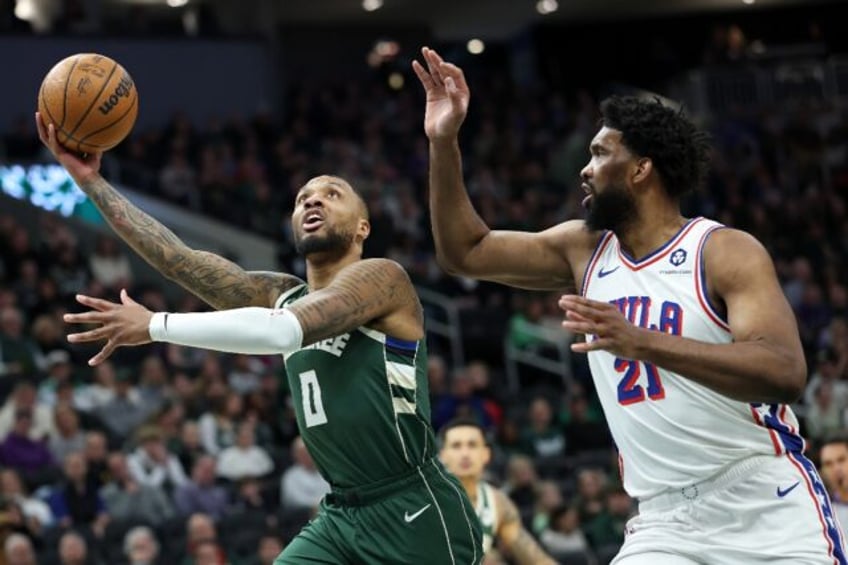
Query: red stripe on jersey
[[774, 440], [593, 260], [650, 259], [701, 284], [817, 504]]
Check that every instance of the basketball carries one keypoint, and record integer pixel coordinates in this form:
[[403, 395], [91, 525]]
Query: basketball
[[91, 100]]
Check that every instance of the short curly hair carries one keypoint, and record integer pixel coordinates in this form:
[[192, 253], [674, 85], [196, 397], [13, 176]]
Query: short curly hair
[[679, 150]]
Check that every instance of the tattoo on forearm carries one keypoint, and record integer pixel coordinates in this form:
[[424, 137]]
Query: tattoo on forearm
[[219, 282], [360, 294]]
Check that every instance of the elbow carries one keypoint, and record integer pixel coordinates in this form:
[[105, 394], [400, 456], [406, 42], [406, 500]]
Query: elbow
[[449, 265], [792, 380]]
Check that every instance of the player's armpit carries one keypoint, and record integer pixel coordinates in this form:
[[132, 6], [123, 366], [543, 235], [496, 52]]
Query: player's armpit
[[212, 278], [374, 292], [517, 541]]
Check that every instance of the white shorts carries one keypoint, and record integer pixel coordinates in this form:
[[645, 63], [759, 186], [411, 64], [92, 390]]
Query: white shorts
[[766, 509]]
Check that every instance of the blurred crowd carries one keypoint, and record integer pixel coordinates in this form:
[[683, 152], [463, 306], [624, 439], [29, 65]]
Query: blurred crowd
[[171, 451]]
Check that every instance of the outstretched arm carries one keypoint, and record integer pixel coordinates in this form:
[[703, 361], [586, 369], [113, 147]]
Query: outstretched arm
[[218, 281], [464, 243], [515, 539], [374, 292], [763, 363]]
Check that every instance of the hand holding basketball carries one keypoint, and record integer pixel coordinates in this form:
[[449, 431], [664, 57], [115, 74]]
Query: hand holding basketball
[[91, 100], [79, 167]]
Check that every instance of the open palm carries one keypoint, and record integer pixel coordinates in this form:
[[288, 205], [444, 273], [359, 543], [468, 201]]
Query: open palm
[[447, 95]]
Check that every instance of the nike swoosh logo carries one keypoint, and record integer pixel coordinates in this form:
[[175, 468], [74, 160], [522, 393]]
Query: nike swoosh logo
[[782, 493], [407, 517], [602, 273]]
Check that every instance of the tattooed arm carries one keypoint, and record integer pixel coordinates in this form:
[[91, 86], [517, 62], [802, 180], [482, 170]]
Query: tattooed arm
[[217, 281], [373, 292], [517, 541]]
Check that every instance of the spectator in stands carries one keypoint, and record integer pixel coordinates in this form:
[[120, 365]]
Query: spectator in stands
[[126, 411], [178, 181], [68, 268], [834, 472], [153, 383], [201, 494], [92, 397], [826, 415], [606, 530], [23, 397], [542, 437], [245, 458], [18, 550], [17, 351], [109, 265], [245, 374], [141, 546], [68, 436], [73, 549], [582, 432], [189, 449], [22, 452], [210, 553], [152, 464], [591, 484], [218, 427], [302, 486], [76, 502], [548, 499], [462, 402], [96, 454], [250, 499], [35, 511], [270, 546], [564, 535], [199, 530], [520, 482], [127, 499]]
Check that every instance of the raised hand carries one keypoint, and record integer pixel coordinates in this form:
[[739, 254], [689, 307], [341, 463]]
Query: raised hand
[[447, 96], [607, 326], [121, 324], [81, 168]]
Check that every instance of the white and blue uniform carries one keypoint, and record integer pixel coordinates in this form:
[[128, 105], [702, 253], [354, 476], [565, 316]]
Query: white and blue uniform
[[718, 480]]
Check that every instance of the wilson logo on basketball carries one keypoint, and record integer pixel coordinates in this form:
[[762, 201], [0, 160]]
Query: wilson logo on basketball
[[123, 90]]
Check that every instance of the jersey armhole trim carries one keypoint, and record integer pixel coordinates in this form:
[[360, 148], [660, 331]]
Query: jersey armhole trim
[[286, 295], [604, 240], [701, 283]]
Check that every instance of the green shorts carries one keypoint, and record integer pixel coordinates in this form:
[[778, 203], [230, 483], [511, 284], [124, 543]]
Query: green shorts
[[421, 518]]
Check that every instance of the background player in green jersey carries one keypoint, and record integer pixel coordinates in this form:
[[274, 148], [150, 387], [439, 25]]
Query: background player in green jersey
[[465, 452], [353, 339]]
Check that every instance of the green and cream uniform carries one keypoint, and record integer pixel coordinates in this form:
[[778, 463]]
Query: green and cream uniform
[[362, 407], [487, 512]]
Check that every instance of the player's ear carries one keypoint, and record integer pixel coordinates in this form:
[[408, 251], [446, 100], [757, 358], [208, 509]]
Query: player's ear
[[363, 229], [643, 169]]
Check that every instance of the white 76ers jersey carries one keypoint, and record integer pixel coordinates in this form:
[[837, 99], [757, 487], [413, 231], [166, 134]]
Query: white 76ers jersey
[[670, 431]]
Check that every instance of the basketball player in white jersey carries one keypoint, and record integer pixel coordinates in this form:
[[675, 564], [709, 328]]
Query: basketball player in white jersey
[[465, 453], [693, 348]]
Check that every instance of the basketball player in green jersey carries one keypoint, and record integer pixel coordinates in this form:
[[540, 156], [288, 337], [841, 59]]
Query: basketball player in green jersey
[[353, 340], [465, 453]]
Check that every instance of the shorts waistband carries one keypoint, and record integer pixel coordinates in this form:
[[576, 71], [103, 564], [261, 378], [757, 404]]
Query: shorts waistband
[[695, 491], [376, 491]]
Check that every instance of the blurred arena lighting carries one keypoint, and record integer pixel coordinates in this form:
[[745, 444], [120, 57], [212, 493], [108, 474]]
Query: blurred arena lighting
[[749, 2], [384, 51], [39, 13], [176, 3], [396, 81], [475, 46], [545, 7], [371, 5]]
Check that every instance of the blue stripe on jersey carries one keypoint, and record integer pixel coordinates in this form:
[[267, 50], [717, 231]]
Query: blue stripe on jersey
[[396, 343], [792, 442], [659, 249], [819, 492], [703, 278]]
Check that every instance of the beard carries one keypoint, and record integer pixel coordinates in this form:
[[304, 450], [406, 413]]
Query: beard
[[333, 241], [613, 209]]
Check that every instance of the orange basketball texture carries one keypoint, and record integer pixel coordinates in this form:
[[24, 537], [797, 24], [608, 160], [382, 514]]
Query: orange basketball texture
[[91, 100]]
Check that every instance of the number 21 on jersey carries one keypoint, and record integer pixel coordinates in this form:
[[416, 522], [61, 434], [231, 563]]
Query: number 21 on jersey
[[310, 393], [629, 389]]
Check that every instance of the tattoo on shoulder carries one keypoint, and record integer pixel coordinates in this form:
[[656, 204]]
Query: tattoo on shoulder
[[363, 292]]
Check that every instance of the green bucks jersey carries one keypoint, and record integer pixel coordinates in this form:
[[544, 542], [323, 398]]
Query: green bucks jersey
[[487, 511], [362, 404]]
